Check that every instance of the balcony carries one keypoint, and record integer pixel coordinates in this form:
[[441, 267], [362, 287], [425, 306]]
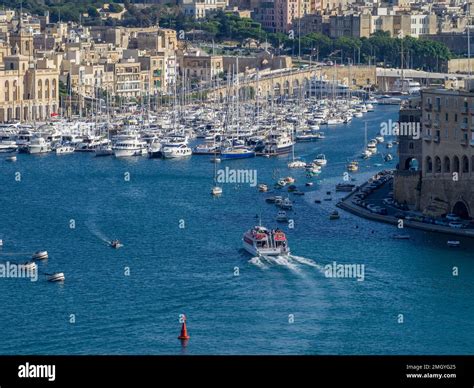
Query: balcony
[[464, 126], [435, 123], [427, 122], [427, 137], [436, 139], [465, 142]]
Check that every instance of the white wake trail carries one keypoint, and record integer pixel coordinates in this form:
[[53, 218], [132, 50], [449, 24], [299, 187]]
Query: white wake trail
[[92, 227], [257, 262]]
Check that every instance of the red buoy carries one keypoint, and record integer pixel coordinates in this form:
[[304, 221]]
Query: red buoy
[[184, 331]]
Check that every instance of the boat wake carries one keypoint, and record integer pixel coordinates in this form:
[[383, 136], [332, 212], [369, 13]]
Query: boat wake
[[92, 227], [293, 263]]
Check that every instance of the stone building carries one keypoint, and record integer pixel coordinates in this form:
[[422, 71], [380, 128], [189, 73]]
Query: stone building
[[445, 184]]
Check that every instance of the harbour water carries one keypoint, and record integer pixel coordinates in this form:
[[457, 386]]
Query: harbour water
[[182, 252]]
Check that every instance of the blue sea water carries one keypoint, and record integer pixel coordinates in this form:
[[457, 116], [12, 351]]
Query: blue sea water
[[183, 248]]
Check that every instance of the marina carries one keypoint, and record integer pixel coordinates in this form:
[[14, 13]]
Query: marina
[[182, 247]]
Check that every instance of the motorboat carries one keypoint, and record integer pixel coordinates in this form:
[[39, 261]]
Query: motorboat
[[282, 216], [12, 158], [320, 160], [388, 158], [334, 215], [104, 150], [129, 146], [237, 152], [286, 204], [216, 191], [40, 255], [353, 166], [176, 151], [64, 149], [56, 277], [454, 243], [262, 188], [260, 241], [38, 145], [7, 146], [296, 164], [116, 244]]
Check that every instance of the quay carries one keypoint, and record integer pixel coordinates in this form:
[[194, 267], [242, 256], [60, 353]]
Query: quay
[[393, 213]]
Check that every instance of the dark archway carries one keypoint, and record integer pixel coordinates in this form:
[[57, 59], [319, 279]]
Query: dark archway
[[461, 210], [412, 164]]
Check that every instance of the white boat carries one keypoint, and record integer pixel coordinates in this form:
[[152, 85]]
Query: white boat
[[370, 107], [176, 151], [259, 241], [7, 146], [129, 146], [12, 158], [216, 191], [296, 164], [56, 277], [104, 150], [320, 160], [65, 149], [379, 138], [366, 154], [40, 255], [1, 243], [262, 187], [281, 216], [334, 121], [38, 145], [454, 243]]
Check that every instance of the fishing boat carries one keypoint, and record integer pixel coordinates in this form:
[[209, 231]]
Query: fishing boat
[[286, 204], [56, 277], [260, 241], [40, 255]]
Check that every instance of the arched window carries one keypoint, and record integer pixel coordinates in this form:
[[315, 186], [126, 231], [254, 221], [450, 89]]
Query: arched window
[[447, 164], [429, 165], [455, 164], [40, 89], [7, 91], [54, 89], [46, 89], [465, 164], [437, 164]]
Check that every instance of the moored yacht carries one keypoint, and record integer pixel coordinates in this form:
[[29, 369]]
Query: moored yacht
[[176, 151], [129, 146], [38, 145]]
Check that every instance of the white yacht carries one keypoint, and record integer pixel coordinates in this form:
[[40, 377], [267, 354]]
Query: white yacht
[[38, 145], [260, 241], [320, 160], [56, 277], [176, 151], [129, 145], [8, 146]]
